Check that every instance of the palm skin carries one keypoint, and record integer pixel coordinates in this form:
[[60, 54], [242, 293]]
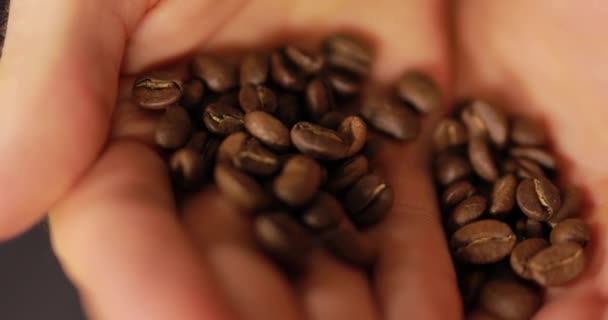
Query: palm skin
[[154, 266]]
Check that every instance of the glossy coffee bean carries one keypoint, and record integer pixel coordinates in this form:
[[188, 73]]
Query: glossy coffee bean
[[173, 128], [257, 98], [420, 91], [284, 239], [284, 74], [503, 195], [558, 264], [350, 246], [230, 146], [187, 168], [343, 83], [347, 173], [457, 192], [354, 132], [473, 123], [318, 142], [571, 230], [510, 299], [482, 242], [268, 129], [155, 94], [538, 198], [347, 52], [481, 159], [467, 211], [391, 116], [254, 68], [324, 213], [450, 167], [540, 156], [528, 169], [254, 158], [528, 132], [523, 252], [298, 182], [306, 61], [193, 93], [369, 200], [223, 119], [319, 97], [240, 188], [289, 110], [449, 133], [571, 203], [219, 75], [494, 121]]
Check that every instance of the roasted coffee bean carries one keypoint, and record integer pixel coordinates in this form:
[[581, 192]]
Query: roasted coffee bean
[[350, 246], [467, 211], [240, 188], [223, 119], [318, 142], [573, 229], [470, 282], [299, 181], [571, 203], [173, 128], [187, 168], [332, 120], [198, 141], [289, 110], [557, 264], [420, 91], [285, 74], [390, 116], [473, 123], [457, 192], [268, 129], [324, 213], [230, 147], [528, 169], [481, 159], [450, 168], [369, 200], [284, 239], [346, 174], [306, 61], [346, 52], [254, 68], [449, 133], [538, 198], [510, 299], [319, 98], [219, 75], [503, 195], [523, 252], [482, 242], [539, 155], [354, 132], [158, 90], [257, 98], [193, 93], [254, 158], [493, 120], [343, 83], [528, 132]]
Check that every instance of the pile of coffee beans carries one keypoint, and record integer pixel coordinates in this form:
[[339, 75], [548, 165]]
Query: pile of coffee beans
[[282, 135], [512, 231]]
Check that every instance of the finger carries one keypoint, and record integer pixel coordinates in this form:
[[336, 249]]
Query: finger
[[60, 69], [581, 306], [253, 285], [120, 242]]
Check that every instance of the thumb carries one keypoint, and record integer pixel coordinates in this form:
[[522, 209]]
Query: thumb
[[58, 82]]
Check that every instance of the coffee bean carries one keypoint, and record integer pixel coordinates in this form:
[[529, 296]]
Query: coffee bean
[[572, 229], [240, 188], [481, 159], [318, 142], [420, 91], [187, 168], [482, 242], [324, 213], [230, 147], [299, 181], [470, 282], [223, 119], [254, 158], [369, 200], [557, 264], [257, 98], [467, 211], [346, 174], [157, 91], [510, 299], [289, 110], [538, 198], [354, 132], [350, 246], [449, 133], [254, 68], [539, 155], [198, 141], [494, 121], [173, 128], [319, 98], [306, 61], [390, 116], [571, 204], [332, 120], [503, 195], [268, 129], [527, 132], [193, 93], [450, 167], [285, 240], [473, 123], [285, 74], [346, 52], [523, 252], [219, 75], [534, 228], [457, 192], [343, 83], [528, 169]]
